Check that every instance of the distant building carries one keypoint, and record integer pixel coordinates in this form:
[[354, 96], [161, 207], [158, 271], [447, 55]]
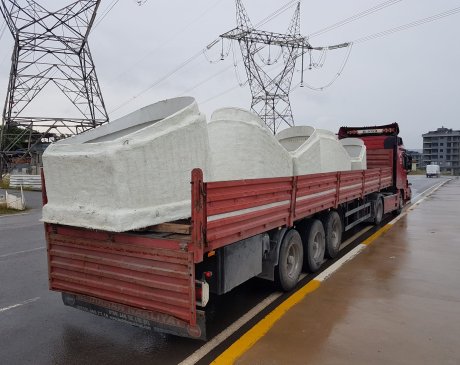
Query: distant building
[[417, 159], [442, 147]]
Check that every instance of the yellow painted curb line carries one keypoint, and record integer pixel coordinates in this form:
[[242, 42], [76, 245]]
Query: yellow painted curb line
[[377, 234], [246, 341]]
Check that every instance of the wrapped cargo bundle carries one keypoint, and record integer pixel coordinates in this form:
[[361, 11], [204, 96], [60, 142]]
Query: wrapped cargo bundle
[[130, 173], [135, 171], [242, 147], [314, 150], [356, 149]]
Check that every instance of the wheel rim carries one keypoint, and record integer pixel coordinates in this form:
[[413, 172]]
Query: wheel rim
[[292, 260], [316, 247]]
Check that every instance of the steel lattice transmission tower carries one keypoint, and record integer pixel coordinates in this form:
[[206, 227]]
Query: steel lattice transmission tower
[[270, 95], [50, 47]]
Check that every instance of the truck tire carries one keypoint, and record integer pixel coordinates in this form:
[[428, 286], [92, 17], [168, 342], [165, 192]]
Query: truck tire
[[334, 228], [314, 245], [290, 261], [400, 206], [378, 211]]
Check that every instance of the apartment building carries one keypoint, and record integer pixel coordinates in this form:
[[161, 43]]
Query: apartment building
[[442, 147]]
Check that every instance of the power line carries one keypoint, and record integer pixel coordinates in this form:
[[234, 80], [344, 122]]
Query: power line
[[192, 58], [278, 12], [299, 84], [362, 40], [337, 75], [356, 16], [2, 29], [213, 76], [220, 94], [158, 81], [413, 24], [4, 58], [101, 12], [265, 20], [2, 32], [51, 53], [104, 14], [240, 84], [167, 41]]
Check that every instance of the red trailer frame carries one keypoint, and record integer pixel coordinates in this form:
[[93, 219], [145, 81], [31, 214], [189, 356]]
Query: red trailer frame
[[148, 278], [229, 211]]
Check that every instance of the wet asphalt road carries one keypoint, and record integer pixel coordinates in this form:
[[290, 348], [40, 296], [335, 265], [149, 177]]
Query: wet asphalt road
[[36, 328]]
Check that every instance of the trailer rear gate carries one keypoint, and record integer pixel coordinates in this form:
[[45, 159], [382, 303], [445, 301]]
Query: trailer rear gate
[[137, 271]]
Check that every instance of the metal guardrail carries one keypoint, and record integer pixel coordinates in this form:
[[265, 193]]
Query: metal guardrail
[[26, 181]]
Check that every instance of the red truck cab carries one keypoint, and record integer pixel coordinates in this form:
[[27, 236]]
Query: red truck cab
[[385, 149]]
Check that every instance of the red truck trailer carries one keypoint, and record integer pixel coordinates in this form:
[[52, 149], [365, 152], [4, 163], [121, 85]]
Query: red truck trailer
[[160, 278]]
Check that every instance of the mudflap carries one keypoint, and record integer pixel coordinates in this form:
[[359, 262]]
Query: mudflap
[[154, 321]]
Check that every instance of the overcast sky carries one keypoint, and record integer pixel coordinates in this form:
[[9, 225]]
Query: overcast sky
[[410, 77]]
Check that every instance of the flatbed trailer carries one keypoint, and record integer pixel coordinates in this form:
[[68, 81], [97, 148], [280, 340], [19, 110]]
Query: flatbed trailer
[[160, 277]]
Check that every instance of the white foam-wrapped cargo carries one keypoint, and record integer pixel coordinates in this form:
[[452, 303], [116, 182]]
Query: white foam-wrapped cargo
[[242, 147], [294, 137], [314, 150], [357, 151], [131, 173]]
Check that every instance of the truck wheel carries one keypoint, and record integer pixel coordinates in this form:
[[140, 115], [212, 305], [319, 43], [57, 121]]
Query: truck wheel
[[333, 226], [314, 246], [290, 261], [400, 206], [378, 211]]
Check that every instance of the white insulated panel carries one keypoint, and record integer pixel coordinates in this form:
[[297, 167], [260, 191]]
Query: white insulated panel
[[242, 147], [356, 149], [320, 152], [131, 173]]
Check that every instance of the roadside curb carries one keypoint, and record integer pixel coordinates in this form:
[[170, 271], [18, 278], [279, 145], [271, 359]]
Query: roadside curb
[[14, 215]]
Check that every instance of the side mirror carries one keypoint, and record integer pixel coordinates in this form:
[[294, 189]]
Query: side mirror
[[407, 160]]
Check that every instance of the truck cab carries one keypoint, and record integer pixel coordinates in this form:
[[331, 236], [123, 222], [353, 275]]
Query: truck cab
[[385, 149]]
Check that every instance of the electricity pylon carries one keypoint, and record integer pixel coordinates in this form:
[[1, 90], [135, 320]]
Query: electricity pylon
[[50, 47], [270, 95]]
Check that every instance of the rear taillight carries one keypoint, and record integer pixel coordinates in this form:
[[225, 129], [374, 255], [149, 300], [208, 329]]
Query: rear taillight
[[201, 292]]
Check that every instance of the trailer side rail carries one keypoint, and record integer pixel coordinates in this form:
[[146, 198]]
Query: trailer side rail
[[230, 211]]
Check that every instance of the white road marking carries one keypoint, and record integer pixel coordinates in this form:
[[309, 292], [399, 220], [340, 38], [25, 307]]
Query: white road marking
[[226, 333], [230, 330], [13, 215], [398, 217], [339, 263], [435, 187], [416, 203], [350, 255], [20, 252], [354, 237], [19, 304]]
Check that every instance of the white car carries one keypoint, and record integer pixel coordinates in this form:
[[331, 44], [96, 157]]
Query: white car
[[433, 171]]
